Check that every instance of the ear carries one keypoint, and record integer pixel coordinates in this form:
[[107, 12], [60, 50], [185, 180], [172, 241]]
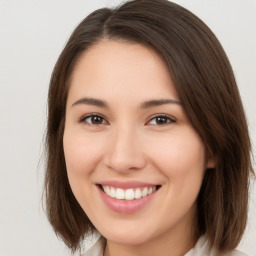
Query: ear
[[211, 163]]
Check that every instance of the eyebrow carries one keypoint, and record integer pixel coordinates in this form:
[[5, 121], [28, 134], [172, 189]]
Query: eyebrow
[[144, 105], [155, 103], [91, 101]]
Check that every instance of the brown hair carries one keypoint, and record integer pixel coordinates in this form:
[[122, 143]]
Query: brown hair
[[207, 88]]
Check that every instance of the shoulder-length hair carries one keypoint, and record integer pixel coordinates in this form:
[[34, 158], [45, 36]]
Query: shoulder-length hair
[[207, 89]]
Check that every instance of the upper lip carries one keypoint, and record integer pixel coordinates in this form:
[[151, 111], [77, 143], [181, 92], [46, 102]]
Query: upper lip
[[126, 184]]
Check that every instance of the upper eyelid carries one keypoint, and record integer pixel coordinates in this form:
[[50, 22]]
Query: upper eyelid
[[171, 122], [81, 119], [162, 115]]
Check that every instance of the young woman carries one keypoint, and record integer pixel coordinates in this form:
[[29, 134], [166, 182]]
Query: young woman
[[147, 139]]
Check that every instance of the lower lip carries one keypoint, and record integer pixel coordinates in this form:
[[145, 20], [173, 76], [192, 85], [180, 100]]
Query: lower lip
[[126, 206]]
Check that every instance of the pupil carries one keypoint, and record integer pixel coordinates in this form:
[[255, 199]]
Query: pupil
[[161, 120], [96, 120]]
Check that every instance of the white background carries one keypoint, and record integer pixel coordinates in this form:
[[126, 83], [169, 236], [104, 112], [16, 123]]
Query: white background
[[32, 34]]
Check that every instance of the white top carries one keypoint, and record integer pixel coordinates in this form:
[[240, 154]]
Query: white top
[[202, 248]]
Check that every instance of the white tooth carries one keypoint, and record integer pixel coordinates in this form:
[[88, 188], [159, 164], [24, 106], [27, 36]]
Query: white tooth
[[137, 193], [150, 191], [104, 188], [108, 192], [129, 194], [119, 193], [112, 192], [144, 192]]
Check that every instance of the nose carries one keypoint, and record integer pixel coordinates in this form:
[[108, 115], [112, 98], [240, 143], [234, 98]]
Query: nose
[[124, 152]]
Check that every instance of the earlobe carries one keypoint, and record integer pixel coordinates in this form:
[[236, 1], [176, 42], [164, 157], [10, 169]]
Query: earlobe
[[211, 163]]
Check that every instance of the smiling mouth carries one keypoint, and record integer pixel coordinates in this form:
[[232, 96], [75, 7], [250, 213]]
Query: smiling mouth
[[128, 194]]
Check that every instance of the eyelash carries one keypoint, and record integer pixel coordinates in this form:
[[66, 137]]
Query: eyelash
[[83, 119], [166, 117]]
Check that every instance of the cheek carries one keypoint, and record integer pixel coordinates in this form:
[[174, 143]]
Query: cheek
[[181, 159], [82, 156], [180, 156], [81, 153]]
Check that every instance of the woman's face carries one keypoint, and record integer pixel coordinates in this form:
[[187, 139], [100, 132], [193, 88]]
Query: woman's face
[[126, 132]]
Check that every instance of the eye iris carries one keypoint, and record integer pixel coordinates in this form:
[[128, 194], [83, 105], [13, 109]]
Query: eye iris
[[96, 119], [161, 120]]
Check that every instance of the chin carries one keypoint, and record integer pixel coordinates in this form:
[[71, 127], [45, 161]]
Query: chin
[[127, 237], [128, 240]]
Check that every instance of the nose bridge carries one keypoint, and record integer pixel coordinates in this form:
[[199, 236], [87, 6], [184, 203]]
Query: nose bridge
[[125, 150]]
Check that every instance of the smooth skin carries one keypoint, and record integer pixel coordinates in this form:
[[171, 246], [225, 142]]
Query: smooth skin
[[115, 130]]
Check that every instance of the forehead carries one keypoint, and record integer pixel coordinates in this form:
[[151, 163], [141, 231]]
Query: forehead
[[121, 68]]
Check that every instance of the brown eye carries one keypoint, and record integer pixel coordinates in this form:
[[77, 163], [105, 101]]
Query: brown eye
[[161, 120], [94, 120]]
